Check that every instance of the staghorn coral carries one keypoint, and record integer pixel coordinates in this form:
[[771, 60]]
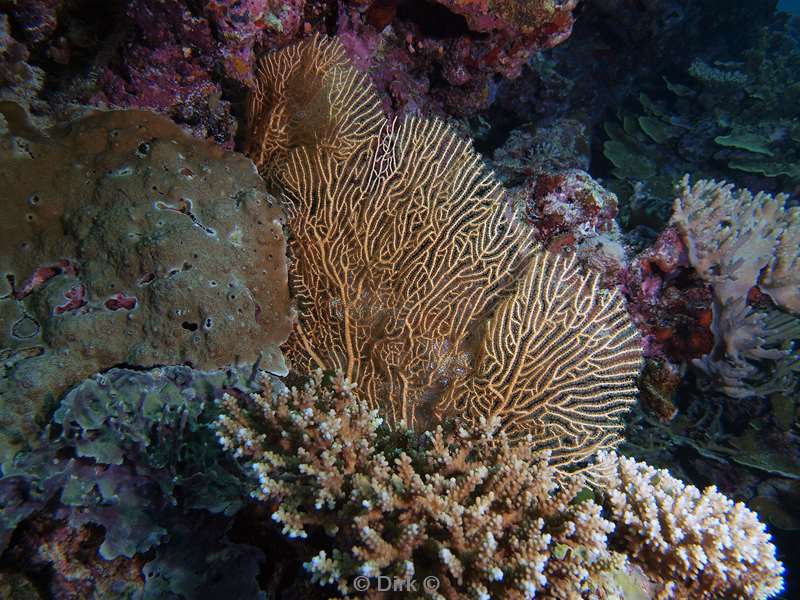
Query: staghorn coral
[[403, 246], [419, 510], [486, 518], [693, 544]]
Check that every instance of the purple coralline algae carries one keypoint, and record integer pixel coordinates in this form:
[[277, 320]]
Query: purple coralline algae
[[187, 62], [571, 213], [243, 26], [442, 56], [166, 67]]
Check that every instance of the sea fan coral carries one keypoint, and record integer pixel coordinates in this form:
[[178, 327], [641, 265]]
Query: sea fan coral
[[558, 361], [309, 95], [403, 248], [399, 251]]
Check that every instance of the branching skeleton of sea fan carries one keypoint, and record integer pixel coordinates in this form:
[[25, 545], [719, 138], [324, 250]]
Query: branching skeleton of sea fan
[[414, 277]]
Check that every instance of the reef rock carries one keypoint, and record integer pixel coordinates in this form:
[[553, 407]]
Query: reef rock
[[126, 242], [570, 212], [444, 56]]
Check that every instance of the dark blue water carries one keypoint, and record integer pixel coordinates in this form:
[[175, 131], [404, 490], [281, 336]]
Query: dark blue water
[[790, 6]]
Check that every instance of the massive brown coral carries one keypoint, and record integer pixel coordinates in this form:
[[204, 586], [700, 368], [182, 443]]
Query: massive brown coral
[[404, 246], [123, 240]]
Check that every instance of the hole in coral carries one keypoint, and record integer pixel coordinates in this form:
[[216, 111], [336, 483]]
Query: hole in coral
[[435, 21]]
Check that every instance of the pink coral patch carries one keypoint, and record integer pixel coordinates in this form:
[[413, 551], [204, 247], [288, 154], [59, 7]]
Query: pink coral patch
[[120, 301], [76, 298], [42, 275]]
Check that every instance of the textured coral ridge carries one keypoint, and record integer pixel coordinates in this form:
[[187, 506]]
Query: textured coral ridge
[[488, 519], [404, 247], [187, 60], [525, 17], [126, 241]]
